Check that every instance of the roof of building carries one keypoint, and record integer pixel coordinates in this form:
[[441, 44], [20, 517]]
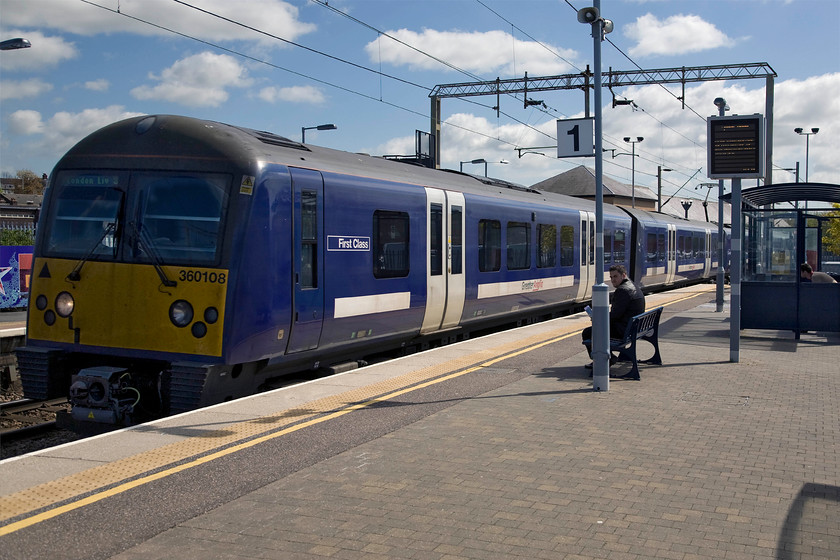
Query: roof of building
[[580, 181], [13, 199]]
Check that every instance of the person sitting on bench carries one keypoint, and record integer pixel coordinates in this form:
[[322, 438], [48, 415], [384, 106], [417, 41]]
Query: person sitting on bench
[[628, 301]]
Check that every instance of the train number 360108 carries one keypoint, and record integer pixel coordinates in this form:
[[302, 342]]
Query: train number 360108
[[202, 276]]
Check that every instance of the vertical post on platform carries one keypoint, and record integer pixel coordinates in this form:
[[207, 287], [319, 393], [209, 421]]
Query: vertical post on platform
[[600, 291], [720, 103], [735, 276]]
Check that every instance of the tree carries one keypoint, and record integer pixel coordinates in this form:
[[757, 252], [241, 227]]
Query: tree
[[831, 230], [16, 237], [32, 183]]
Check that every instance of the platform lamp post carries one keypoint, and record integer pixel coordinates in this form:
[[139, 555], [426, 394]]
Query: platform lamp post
[[600, 291], [659, 170], [807, 136], [720, 103], [303, 130], [633, 180]]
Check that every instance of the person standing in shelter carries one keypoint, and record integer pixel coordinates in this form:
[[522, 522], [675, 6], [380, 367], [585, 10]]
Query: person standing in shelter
[[808, 275], [627, 302]]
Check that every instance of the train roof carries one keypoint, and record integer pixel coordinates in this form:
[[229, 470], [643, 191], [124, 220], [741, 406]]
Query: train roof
[[660, 218], [170, 136]]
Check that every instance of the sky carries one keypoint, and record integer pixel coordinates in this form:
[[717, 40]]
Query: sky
[[368, 67]]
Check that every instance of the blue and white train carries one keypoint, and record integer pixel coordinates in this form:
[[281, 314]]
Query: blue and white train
[[182, 262]]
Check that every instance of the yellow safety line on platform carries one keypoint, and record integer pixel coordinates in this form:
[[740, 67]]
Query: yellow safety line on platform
[[124, 487]]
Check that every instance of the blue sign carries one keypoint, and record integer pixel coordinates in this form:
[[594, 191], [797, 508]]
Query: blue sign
[[15, 275], [348, 243]]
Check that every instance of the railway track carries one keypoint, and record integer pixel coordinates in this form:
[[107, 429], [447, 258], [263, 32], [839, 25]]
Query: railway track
[[25, 417]]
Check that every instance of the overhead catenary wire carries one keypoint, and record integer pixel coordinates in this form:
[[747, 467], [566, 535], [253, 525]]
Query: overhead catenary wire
[[278, 67], [338, 59]]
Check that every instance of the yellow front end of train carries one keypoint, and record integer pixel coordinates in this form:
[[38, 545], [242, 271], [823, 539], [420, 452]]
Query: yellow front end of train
[[128, 307]]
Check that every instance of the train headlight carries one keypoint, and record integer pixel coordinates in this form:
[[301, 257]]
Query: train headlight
[[64, 304], [181, 313]]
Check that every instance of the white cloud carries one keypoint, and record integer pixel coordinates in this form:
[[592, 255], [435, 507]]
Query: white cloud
[[98, 85], [26, 122], [274, 16], [674, 35], [293, 94], [200, 80], [25, 89], [46, 51], [491, 52], [59, 133]]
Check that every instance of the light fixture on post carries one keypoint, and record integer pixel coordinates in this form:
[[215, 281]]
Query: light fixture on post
[[13, 44], [659, 170], [303, 130], [484, 161], [709, 187], [633, 180], [807, 136]]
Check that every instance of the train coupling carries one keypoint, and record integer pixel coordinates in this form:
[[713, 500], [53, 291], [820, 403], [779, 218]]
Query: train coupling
[[102, 394]]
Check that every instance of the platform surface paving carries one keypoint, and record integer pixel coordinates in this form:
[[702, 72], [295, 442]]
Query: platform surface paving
[[703, 458]]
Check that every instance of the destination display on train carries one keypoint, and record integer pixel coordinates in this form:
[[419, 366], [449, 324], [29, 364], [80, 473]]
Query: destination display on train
[[736, 147]]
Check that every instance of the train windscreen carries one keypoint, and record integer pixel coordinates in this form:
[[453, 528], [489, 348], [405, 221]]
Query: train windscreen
[[159, 218]]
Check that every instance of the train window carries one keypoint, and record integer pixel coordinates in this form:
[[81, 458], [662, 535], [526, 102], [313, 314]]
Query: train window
[[619, 246], [436, 239], [608, 243], [309, 239], [583, 243], [697, 251], [548, 246], [457, 238], [180, 217], [489, 245], [567, 246], [391, 243], [650, 250], [660, 247], [518, 245], [84, 218]]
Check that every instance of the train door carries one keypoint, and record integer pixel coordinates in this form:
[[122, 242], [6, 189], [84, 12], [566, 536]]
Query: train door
[[671, 254], [707, 267], [308, 254], [445, 283], [586, 259]]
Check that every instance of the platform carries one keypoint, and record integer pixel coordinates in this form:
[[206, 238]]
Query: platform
[[491, 448]]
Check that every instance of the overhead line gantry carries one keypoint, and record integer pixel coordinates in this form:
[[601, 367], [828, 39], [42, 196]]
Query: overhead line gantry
[[612, 78]]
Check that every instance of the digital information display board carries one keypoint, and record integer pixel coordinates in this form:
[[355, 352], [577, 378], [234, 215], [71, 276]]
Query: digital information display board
[[736, 147]]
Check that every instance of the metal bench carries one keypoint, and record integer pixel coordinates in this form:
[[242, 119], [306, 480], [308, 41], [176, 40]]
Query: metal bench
[[644, 326]]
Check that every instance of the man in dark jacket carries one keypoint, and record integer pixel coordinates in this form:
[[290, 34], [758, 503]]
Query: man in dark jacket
[[627, 302]]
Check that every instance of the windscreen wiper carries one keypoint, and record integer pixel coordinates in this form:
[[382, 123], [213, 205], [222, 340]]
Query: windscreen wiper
[[148, 245], [74, 275]]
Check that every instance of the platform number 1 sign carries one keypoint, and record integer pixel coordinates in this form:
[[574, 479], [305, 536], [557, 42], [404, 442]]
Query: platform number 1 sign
[[576, 137]]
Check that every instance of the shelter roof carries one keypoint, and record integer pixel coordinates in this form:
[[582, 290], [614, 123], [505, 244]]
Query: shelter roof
[[788, 192]]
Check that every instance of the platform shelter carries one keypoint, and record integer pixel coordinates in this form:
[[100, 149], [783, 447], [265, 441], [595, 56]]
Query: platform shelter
[[786, 225]]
